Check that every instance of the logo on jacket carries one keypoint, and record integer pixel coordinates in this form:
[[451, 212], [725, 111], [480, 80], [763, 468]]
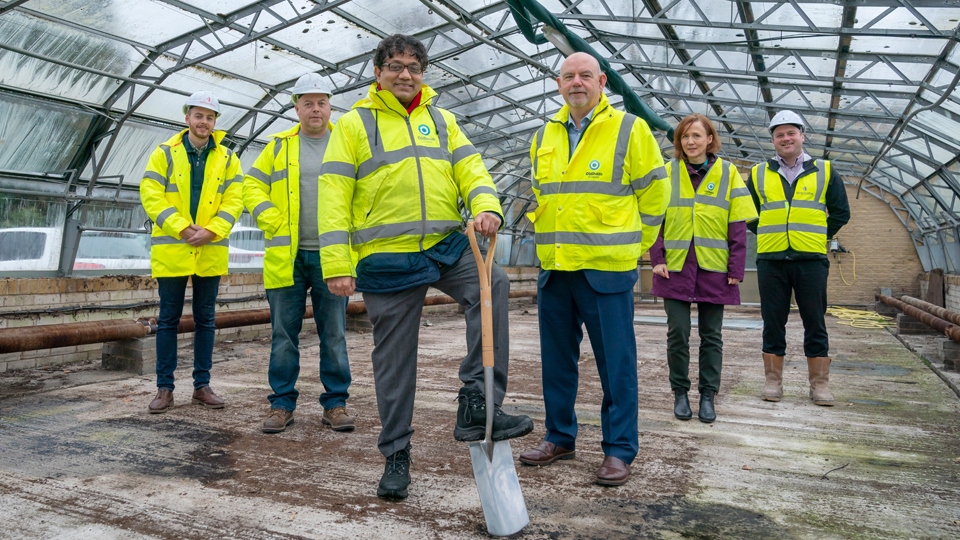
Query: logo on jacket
[[424, 129], [710, 186], [594, 165]]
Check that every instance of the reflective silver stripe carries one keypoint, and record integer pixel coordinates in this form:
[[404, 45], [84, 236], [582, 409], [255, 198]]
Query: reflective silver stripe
[[222, 243], [156, 177], [227, 217], [761, 174], [643, 182], [772, 229], [277, 241], [775, 205], [404, 229], [651, 220], [165, 240], [586, 186], [676, 244], [821, 179], [259, 175], [623, 144], [276, 147], [277, 176], [675, 183], [536, 152], [166, 151], [711, 243], [224, 186], [442, 136], [381, 158], [803, 227], [739, 192], [339, 168], [464, 151], [478, 190], [171, 188], [258, 209], [589, 239], [810, 204], [334, 238], [683, 203], [162, 216]]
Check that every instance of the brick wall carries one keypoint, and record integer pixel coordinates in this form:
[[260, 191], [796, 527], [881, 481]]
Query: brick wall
[[46, 301], [951, 296], [885, 255]]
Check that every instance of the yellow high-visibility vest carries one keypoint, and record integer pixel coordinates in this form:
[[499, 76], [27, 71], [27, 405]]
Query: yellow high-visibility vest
[[800, 224], [702, 218]]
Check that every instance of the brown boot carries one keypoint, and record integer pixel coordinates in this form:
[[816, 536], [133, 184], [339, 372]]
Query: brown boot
[[819, 368], [205, 396], [773, 370], [162, 402]]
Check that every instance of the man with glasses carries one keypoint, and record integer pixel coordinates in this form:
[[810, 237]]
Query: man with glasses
[[394, 172]]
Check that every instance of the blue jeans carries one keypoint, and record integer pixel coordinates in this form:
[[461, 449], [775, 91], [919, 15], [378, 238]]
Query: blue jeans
[[287, 305], [172, 292]]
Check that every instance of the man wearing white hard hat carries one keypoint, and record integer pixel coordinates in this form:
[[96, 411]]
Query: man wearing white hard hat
[[802, 203], [191, 191], [280, 191]]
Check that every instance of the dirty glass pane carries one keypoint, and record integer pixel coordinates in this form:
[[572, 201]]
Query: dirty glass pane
[[39, 136]]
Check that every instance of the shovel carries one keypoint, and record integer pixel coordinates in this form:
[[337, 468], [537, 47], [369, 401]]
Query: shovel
[[493, 468]]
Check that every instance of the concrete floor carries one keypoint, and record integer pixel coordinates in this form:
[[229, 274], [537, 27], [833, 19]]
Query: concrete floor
[[81, 458]]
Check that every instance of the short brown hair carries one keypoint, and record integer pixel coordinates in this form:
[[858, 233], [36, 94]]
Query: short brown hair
[[400, 44], [682, 128]]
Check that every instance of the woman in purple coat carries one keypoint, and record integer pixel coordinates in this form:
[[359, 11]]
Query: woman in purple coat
[[699, 257]]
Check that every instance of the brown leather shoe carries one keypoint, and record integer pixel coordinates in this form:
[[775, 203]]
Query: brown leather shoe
[[546, 454], [205, 396], [277, 421], [613, 472], [338, 419], [162, 402]]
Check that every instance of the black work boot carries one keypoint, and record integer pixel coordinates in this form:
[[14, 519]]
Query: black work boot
[[706, 414], [472, 419], [396, 476], [681, 404]]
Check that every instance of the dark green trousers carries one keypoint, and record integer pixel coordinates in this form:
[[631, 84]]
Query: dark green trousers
[[709, 321]]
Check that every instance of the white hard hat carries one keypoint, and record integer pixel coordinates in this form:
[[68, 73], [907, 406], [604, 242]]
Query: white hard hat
[[786, 117], [202, 99], [311, 83]]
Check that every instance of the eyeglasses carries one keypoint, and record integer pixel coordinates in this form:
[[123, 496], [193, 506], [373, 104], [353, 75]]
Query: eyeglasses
[[395, 67]]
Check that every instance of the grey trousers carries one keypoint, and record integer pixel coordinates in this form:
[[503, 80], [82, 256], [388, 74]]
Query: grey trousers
[[396, 331]]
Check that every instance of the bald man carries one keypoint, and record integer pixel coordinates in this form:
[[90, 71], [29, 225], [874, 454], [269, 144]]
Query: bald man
[[602, 192]]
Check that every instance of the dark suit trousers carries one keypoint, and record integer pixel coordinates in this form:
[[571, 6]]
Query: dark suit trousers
[[566, 301]]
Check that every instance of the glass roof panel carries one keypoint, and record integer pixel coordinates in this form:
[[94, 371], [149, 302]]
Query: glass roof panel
[[390, 18], [146, 21], [39, 136]]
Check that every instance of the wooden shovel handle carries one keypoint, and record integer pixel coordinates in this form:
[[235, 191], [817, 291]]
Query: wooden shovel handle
[[485, 271]]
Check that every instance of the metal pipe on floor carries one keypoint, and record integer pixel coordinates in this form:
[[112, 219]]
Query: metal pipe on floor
[[949, 329], [932, 309], [32, 338]]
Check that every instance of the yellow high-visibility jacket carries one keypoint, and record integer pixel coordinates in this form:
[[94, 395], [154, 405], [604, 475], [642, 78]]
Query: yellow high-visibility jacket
[[704, 217], [602, 207], [391, 181], [800, 224], [165, 195], [271, 192]]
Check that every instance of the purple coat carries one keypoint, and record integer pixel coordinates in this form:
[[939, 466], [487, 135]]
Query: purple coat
[[692, 283]]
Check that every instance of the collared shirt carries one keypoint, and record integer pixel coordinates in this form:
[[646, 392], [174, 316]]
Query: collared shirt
[[790, 172], [574, 133], [198, 162]]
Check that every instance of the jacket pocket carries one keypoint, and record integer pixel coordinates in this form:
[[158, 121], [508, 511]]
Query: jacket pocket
[[535, 215], [545, 156], [610, 215]]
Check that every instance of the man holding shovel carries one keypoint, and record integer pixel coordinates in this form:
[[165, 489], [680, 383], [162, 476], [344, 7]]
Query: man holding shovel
[[601, 192], [392, 176]]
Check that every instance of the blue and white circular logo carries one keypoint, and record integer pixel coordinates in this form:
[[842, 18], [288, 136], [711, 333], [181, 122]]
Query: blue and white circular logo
[[594, 165], [710, 186], [424, 129]]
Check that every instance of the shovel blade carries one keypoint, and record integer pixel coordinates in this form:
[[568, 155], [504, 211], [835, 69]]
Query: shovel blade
[[499, 489]]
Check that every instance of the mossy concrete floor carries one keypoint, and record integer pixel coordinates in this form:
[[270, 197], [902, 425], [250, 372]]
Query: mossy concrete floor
[[81, 458]]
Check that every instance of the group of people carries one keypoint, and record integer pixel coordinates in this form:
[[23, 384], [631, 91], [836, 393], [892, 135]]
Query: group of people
[[373, 204]]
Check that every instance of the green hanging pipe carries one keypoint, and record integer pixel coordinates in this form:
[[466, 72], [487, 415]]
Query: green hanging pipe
[[526, 11]]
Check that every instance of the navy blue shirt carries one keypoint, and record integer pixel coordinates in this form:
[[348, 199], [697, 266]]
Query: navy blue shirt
[[198, 163]]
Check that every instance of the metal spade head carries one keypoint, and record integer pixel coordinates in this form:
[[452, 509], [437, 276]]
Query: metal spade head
[[499, 487]]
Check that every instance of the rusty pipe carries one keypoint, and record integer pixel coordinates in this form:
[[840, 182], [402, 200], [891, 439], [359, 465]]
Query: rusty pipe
[[32, 338], [932, 309], [950, 330]]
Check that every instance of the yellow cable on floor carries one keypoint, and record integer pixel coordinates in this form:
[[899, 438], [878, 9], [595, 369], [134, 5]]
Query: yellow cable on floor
[[858, 318]]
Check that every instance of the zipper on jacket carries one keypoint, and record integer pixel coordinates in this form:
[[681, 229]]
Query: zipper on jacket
[[423, 200]]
